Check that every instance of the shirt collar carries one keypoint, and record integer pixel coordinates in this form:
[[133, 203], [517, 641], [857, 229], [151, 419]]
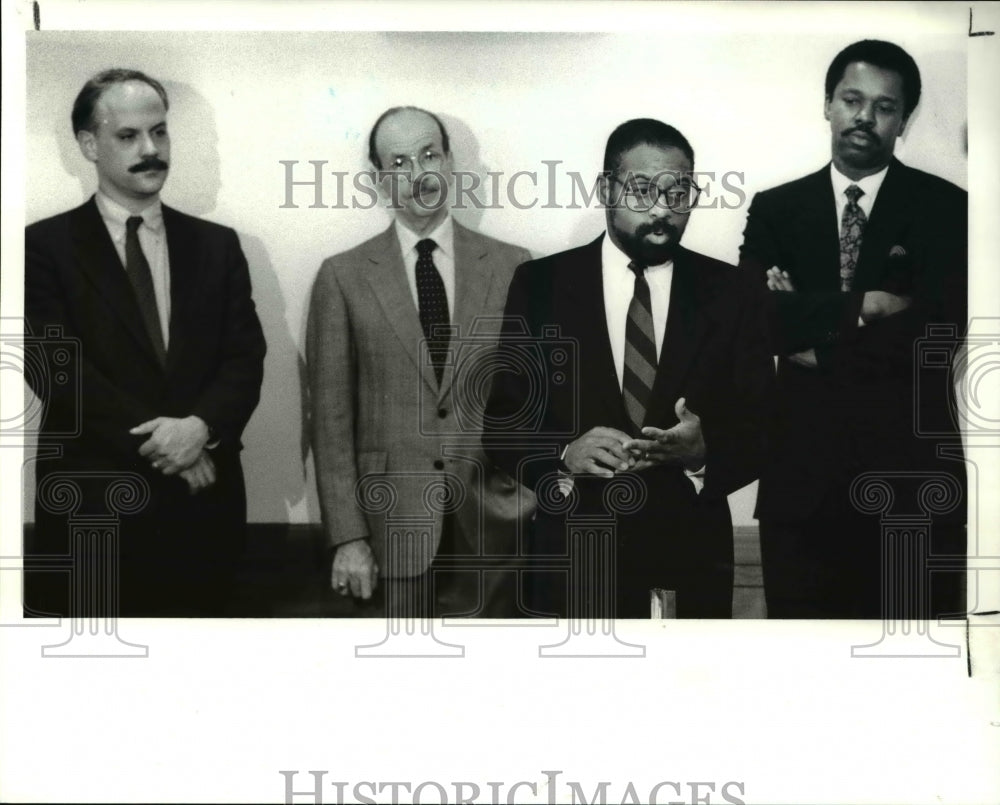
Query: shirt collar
[[613, 257], [114, 214], [443, 235], [870, 184]]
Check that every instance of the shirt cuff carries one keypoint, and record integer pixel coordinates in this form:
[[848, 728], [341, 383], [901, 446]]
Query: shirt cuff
[[213, 437], [697, 478], [565, 482]]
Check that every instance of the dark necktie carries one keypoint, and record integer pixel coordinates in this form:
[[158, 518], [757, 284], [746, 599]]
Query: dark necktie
[[852, 225], [141, 278], [640, 350], [433, 303]]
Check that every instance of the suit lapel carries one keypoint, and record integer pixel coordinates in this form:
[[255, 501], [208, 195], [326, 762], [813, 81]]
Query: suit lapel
[[686, 326], [387, 278], [585, 301], [886, 226], [183, 254], [818, 223], [473, 278], [99, 262]]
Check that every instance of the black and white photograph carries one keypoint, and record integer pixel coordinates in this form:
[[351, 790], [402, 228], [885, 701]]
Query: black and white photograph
[[508, 374]]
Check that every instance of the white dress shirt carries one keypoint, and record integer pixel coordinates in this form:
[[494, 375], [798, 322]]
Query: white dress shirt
[[444, 258], [619, 286], [152, 239], [870, 185]]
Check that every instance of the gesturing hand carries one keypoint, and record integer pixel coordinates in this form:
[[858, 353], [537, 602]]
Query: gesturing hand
[[354, 570], [682, 444], [173, 444], [600, 451]]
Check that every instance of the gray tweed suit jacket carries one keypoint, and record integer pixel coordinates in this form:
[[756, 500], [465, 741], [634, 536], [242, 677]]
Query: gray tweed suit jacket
[[394, 451]]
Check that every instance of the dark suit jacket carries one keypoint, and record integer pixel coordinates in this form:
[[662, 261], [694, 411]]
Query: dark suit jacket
[[714, 354], [856, 412], [75, 283]]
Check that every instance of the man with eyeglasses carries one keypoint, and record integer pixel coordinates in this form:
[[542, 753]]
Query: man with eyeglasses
[[860, 258], [394, 407], [663, 394]]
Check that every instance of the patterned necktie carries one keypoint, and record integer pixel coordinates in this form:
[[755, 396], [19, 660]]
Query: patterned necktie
[[141, 278], [433, 303], [852, 225], [640, 350]]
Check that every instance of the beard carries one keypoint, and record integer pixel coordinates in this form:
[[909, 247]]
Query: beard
[[635, 245]]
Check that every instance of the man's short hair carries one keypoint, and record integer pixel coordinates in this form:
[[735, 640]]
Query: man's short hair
[[83, 107], [373, 153], [643, 131], [879, 54]]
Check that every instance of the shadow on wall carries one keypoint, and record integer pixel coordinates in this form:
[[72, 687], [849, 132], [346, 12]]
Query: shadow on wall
[[73, 162], [195, 170], [277, 437], [466, 157]]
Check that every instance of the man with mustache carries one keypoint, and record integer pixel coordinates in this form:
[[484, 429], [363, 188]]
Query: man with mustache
[[396, 412], [860, 258], [654, 399], [170, 362]]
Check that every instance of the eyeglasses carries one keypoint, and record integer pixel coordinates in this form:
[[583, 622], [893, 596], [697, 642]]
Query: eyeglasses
[[640, 196], [428, 161]]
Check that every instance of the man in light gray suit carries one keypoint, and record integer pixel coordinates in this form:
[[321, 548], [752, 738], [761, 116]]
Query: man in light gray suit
[[404, 484]]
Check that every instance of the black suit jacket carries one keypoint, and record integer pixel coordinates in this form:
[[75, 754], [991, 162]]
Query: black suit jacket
[[76, 289], [875, 401], [556, 380]]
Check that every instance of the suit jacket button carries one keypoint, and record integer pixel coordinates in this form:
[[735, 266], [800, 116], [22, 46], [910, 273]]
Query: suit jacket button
[[442, 413], [438, 464]]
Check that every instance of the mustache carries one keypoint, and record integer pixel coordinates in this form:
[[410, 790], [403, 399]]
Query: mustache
[[664, 227], [863, 130], [153, 163]]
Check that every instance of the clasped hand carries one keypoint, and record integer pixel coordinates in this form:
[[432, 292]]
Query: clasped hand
[[605, 451], [176, 446]]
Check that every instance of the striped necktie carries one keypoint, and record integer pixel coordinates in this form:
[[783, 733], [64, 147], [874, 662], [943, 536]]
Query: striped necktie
[[852, 225], [640, 350], [433, 303], [141, 278]]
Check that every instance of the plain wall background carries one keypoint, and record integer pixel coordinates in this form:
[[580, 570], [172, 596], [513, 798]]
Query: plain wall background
[[242, 102], [222, 705]]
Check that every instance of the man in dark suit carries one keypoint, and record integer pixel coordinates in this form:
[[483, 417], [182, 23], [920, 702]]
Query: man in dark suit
[[170, 357], [661, 395], [395, 413], [860, 257]]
